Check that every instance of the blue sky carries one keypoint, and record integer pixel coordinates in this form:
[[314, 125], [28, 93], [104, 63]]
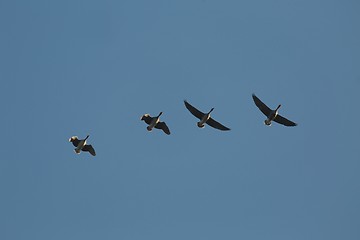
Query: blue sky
[[94, 67]]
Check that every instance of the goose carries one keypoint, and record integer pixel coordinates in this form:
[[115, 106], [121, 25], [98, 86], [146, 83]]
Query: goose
[[154, 122], [81, 145], [272, 115], [204, 118]]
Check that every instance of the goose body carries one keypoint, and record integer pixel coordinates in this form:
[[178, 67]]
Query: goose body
[[80, 145], [154, 122], [272, 115], [204, 118]]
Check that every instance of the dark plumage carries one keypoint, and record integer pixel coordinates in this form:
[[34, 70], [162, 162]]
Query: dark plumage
[[204, 117], [272, 115], [81, 145], [154, 122]]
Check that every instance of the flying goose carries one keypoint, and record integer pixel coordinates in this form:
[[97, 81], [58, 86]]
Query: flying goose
[[81, 145], [205, 118], [154, 122], [272, 115]]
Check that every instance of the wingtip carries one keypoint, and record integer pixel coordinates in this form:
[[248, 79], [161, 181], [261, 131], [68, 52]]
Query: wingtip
[[226, 129]]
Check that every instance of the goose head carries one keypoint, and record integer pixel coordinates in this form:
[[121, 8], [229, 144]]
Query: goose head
[[277, 107], [159, 114]]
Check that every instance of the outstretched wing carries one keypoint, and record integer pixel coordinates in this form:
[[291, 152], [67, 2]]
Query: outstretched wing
[[216, 125], [284, 121], [147, 118], [262, 106], [90, 149], [193, 110], [163, 126]]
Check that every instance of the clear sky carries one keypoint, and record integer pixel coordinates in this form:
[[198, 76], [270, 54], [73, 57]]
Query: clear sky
[[75, 67]]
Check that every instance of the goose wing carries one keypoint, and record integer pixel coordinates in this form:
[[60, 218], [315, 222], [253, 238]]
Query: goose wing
[[147, 118], [262, 106], [193, 110], [216, 125], [163, 126], [284, 121], [90, 149]]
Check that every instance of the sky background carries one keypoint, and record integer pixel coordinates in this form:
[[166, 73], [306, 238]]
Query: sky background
[[75, 67]]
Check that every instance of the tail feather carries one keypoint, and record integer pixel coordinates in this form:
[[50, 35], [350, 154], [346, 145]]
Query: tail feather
[[200, 125], [267, 122]]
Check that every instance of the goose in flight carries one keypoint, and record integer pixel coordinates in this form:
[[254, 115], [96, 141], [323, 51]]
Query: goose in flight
[[205, 118], [272, 115], [154, 122], [81, 145]]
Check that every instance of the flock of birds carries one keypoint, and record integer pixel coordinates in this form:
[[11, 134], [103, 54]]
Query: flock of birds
[[205, 118]]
